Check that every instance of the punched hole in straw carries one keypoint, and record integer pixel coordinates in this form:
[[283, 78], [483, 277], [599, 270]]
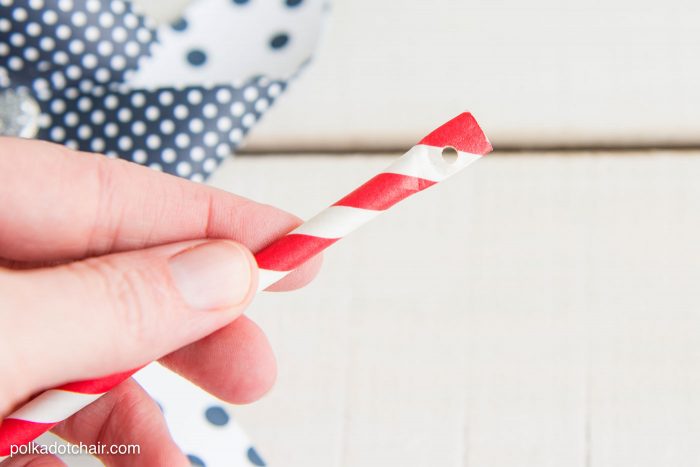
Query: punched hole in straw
[[449, 155]]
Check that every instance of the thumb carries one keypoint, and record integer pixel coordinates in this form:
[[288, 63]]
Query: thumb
[[103, 315]]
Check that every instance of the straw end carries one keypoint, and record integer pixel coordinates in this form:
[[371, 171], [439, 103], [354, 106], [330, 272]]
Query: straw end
[[462, 133]]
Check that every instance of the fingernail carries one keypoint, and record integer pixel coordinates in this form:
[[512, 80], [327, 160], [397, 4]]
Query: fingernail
[[212, 275]]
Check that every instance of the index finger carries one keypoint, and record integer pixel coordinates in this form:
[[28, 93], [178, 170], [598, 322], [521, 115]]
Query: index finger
[[57, 204]]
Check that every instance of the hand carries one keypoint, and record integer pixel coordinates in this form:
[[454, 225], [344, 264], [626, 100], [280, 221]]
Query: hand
[[105, 266]]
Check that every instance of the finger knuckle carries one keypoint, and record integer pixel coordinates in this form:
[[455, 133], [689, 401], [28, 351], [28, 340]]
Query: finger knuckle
[[130, 295]]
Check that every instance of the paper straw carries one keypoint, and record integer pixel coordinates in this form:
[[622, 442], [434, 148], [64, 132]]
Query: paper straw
[[421, 167]]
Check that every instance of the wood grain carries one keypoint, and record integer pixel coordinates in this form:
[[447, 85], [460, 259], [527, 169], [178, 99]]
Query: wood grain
[[531, 311]]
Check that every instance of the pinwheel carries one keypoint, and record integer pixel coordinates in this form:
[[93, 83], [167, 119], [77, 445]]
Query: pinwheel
[[96, 75]]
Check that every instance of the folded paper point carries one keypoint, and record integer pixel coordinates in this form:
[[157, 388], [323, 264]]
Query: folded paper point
[[462, 133]]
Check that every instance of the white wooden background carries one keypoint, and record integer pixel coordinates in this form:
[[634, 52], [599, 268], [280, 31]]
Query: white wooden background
[[535, 310], [535, 72]]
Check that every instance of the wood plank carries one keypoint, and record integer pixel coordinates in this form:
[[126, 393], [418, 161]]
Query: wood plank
[[532, 311]]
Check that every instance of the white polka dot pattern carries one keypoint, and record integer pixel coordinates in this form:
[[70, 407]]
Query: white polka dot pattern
[[157, 127], [79, 59], [56, 37]]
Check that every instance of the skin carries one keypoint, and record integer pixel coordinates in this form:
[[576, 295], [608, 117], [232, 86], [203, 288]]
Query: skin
[[74, 224]]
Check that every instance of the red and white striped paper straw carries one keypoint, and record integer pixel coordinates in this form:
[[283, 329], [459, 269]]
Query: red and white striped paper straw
[[421, 167]]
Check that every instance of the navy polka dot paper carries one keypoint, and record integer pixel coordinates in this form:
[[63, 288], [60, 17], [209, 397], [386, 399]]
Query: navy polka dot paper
[[177, 98], [182, 131], [204, 428]]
